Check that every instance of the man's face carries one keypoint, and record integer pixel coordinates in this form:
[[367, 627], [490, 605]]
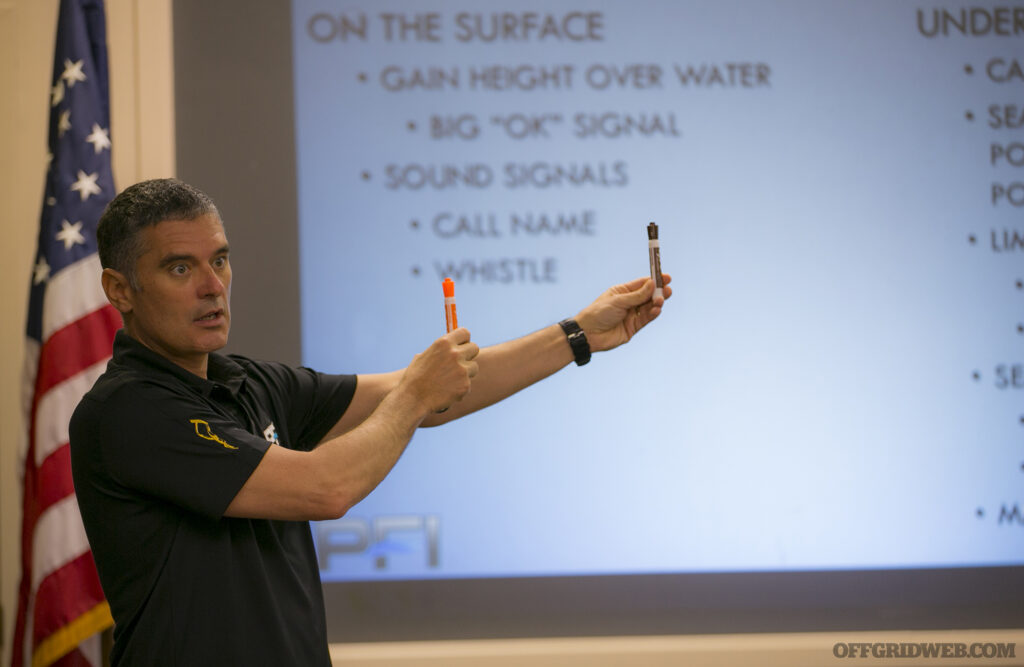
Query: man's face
[[180, 309]]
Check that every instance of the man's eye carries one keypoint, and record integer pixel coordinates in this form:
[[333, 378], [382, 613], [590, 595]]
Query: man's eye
[[179, 269], [220, 262]]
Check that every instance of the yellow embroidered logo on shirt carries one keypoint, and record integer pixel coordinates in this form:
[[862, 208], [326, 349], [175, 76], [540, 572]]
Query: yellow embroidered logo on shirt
[[206, 434]]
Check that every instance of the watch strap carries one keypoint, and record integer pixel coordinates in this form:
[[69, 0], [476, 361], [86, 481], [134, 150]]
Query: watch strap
[[577, 341]]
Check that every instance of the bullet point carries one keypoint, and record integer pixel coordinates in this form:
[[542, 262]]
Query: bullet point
[[1022, 420], [1020, 284], [412, 126], [362, 77], [415, 224], [415, 270], [971, 239], [366, 175], [969, 115], [980, 513], [968, 69], [1020, 328], [976, 375]]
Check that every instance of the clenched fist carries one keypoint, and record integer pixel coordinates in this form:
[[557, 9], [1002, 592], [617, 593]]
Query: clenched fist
[[441, 375]]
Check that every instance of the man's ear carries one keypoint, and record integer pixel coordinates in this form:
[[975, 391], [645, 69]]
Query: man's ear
[[118, 290]]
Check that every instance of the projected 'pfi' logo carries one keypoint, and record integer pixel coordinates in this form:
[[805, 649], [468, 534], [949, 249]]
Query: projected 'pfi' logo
[[382, 538]]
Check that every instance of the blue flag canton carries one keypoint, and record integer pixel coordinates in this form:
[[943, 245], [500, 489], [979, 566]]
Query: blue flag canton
[[79, 179]]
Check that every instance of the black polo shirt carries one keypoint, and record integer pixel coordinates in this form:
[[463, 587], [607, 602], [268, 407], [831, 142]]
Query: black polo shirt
[[157, 455]]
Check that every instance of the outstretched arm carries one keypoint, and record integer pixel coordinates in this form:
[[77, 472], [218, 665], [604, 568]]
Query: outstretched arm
[[349, 463], [611, 320], [450, 379]]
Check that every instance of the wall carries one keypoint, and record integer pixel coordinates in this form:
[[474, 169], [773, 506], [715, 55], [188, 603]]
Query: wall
[[142, 133]]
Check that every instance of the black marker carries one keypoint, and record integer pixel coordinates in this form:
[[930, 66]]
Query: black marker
[[655, 251]]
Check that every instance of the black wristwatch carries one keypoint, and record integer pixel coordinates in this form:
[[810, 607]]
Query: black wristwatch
[[577, 340]]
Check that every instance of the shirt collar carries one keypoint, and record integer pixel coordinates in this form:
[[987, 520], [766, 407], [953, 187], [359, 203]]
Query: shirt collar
[[221, 370]]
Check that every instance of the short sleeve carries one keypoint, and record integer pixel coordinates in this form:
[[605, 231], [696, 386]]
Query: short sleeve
[[312, 402], [171, 446]]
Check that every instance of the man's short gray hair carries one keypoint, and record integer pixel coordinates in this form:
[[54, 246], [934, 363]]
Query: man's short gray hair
[[144, 205]]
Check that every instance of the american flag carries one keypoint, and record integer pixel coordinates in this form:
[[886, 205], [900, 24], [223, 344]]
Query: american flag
[[61, 608]]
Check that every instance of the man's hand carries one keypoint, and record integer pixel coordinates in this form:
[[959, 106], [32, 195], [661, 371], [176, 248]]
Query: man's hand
[[620, 312], [326, 482], [440, 375]]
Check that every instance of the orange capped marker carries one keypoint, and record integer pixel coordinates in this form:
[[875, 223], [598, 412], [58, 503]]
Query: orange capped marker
[[449, 305]]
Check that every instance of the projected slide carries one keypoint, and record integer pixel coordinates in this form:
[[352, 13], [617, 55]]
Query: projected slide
[[838, 380]]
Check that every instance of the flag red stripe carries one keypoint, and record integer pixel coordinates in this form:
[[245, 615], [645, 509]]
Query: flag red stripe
[[55, 481], [64, 595], [75, 347]]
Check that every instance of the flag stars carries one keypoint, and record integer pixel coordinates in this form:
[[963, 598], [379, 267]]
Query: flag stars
[[57, 94], [64, 122], [70, 234], [42, 271], [73, 72], [86, 184], [99, 138]]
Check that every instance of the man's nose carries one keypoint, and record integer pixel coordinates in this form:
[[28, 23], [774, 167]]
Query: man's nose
[[211, 283]]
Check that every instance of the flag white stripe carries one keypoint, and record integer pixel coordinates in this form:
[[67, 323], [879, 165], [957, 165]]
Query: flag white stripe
[[56, 406], [73, 293], [92, 650], [59, 539]]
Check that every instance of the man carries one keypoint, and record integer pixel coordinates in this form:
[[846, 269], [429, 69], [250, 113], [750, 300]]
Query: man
[[197, 472]]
